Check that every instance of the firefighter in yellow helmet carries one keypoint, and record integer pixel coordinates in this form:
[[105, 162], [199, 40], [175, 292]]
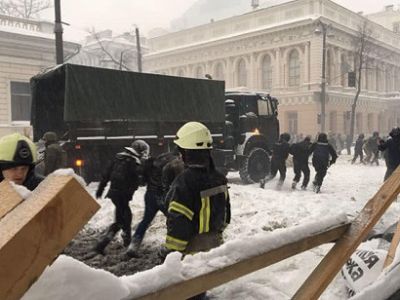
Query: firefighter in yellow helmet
[[17, 160], [199, 207]]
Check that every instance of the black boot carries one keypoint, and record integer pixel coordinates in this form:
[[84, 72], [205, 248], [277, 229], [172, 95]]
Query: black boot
[[106, 239]]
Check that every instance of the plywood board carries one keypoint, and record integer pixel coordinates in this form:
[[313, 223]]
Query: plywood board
[[9, 198], [38, 229]]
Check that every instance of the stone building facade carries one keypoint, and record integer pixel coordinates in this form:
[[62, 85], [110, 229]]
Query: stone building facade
[[27, 47], [277, 50], [389, 17]]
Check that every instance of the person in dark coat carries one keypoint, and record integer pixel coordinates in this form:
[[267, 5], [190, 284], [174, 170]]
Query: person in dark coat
[[349, 143], [301, 152], [54, 155], [155, 192], [124, 175], [17, 161], [392, 150], [280, 152], [371, 149], [324, 155], [358, 149]]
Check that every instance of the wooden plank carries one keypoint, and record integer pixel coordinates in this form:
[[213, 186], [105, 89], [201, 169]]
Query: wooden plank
[[38, 229], [393, 246], [9, 198], [327, 269], [197, 285]]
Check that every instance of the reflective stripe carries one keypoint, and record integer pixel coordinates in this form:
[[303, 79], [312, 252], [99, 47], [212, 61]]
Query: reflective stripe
[[204, 218], [175, 244], [182, 209], [214, 191]]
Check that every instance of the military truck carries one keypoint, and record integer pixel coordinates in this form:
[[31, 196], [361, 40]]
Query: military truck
[[98, 111]]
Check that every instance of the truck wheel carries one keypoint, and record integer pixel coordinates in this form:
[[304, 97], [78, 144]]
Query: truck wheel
[[255, 166]]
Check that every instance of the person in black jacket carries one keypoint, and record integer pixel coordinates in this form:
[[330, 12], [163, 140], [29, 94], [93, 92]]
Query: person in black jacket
[[392, 148], [358, 149], [301, 152], [124, 174], [324, 155], [154, 196], [280, 152], [17, 161]]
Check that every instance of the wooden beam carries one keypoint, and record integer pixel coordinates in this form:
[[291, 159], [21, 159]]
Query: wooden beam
[[38, 229], [393, 246], [327, 269], [197, 285], [9, 198]]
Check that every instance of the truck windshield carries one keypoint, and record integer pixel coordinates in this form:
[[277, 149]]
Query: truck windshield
[[249, 106]]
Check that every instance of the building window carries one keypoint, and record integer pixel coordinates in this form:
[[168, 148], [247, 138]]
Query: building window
[[20, 101], [294, 68], [396, 27], [219, 72], [344, 68], [329, 64], [266, 75], [242, 73], [292, 122], [199, 72]]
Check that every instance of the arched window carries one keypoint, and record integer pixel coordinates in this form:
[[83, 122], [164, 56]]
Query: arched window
[[242, 73], [266, 73], [199, 73], [219, 72], [294, 68]]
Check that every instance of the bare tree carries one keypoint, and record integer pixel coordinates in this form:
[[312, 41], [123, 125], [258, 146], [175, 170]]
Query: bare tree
[[23, 8], [120, 61], [362, 49]]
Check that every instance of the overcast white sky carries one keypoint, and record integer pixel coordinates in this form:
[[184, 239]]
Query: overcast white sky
[[121, 15]]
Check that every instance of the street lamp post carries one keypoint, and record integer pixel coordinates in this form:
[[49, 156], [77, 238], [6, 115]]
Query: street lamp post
[[58, 30], [323, 29]]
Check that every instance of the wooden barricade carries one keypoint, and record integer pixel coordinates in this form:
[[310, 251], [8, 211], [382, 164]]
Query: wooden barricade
[[347, 238], [33, 232]]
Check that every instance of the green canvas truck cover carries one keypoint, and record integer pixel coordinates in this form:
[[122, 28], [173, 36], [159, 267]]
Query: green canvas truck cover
[[74, 93]]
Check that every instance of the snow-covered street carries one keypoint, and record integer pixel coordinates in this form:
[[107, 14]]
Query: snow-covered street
[[255, 212]]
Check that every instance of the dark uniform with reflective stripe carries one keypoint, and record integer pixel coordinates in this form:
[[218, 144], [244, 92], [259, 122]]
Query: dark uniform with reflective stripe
[[198, 211]]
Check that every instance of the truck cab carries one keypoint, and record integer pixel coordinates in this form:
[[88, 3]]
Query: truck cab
[[252, 127]]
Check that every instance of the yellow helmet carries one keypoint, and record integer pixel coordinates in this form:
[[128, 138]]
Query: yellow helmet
[[194, 136], [16, 149]]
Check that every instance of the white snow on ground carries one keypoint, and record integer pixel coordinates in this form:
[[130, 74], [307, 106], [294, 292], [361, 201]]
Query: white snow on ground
[[346, 189]]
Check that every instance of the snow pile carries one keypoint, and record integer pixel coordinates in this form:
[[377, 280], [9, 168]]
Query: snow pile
[[21, 190], [68, 278], [225, 255]]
